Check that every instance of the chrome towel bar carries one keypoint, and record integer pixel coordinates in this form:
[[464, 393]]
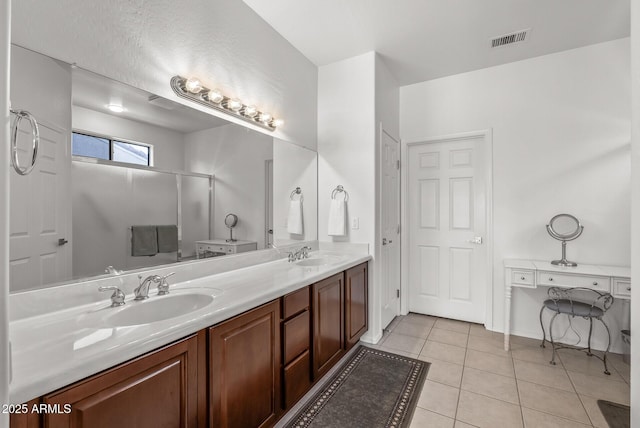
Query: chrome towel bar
[[296, 191], [35, 133]]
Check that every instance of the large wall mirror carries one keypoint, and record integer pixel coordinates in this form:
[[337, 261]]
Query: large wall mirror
[[127, 180]]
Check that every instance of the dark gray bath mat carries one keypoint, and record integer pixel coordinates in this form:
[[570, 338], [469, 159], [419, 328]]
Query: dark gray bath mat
[[372, 389], [616, 415]]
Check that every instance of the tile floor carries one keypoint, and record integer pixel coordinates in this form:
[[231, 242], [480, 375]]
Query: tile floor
[[473, 382]]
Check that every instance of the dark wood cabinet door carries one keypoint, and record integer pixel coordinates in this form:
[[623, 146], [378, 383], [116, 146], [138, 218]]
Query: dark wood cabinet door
[[356, 295], [244, 364], [156, 390], [328, 323]]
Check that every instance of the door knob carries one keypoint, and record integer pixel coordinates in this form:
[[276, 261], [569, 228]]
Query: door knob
[[384, 241], [475, 240], [62, 241]]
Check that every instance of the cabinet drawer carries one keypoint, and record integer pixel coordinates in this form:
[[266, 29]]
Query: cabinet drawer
[[569, 280], [295, 302], [229, 249], [522, 277], [295, 336], [297, 379], [621, 287]]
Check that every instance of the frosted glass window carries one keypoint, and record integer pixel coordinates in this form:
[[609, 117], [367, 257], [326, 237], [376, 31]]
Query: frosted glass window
[[108, 149], [87, 145], [130, 153]]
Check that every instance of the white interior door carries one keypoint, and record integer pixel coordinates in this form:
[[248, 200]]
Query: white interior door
[[447, 228], [390, 228], [40, 208], [268, 233]]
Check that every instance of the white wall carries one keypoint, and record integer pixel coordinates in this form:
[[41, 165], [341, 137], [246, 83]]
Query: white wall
[[294, 166], [144, 44], [168, 145], [560, 144], [635, 208], [236, 156], [354, 96]]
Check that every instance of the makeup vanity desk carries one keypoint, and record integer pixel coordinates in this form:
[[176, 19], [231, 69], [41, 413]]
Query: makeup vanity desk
[[535, 273]]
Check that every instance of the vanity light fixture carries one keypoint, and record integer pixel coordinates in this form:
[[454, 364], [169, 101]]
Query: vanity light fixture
[[192, 89]]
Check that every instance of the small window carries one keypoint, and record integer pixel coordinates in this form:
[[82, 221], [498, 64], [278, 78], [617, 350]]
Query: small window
[[108, 149]]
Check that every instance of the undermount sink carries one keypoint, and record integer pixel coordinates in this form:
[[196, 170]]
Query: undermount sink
[[154, 309], [319, 261]]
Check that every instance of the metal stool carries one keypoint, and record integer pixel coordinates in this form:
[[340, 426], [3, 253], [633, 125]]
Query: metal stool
[[562, 301]]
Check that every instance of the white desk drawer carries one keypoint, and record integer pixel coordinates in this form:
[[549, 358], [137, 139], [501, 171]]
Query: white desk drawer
[[552, 279], [229, 249], [522, 277], [621, 287]]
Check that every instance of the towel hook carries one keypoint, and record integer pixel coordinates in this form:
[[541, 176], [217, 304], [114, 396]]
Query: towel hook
[[296, 191], [22, 114], [340, 189]]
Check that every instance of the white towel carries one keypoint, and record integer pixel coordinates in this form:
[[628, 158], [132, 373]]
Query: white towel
[[337, 218], [294, 222]]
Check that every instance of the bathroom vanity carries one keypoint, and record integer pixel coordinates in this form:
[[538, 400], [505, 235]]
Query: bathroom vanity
[[246, 359]]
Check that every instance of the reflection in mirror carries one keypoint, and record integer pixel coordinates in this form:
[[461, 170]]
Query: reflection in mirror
[[147, 185], [564, 227]]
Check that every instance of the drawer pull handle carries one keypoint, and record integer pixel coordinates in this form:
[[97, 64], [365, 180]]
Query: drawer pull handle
[[550, 279], [628, 288], [522, 278], [595, 283]]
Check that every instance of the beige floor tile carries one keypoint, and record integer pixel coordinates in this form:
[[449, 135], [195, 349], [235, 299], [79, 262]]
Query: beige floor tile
[[480, 330], [426, 419], [543, 374], [534, 355], [518, 342], [448, 336], [489, 345], [535, 419], [502, 365], [460, 424], [622, 368], [439, 398], [444, 372], [594, 412], [487, 412], [443, 352], [412, 329], [490, 384], [398, 352], [393, 324], [404, 343], [580, 362], [551, 400], [453, 325], [424, 320], [596, 387]]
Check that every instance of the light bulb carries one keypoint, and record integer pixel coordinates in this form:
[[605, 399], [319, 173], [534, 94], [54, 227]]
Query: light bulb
[[215, 96], [250, 111], [278, 122], [265, 117], [116, 108], [234, 104], [193, 85]]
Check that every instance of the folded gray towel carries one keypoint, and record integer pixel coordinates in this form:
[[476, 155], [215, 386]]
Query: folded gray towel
[[144, 241], [167, 238]]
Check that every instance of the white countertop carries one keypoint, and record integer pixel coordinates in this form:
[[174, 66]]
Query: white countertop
[[55, 349]]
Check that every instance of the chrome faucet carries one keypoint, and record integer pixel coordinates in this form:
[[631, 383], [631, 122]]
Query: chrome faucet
[[142, 292], [163, 286], [305, 252], [117, 298], [302, 253]]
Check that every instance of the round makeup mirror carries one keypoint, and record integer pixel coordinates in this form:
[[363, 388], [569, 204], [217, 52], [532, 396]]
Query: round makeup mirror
[[564, 227], [231, 220]]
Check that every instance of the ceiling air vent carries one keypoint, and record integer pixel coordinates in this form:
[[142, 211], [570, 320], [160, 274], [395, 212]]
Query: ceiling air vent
[[511, 38]]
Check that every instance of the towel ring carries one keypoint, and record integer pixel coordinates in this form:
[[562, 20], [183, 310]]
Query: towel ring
[[21, 114], [340, 189], [296, 191]]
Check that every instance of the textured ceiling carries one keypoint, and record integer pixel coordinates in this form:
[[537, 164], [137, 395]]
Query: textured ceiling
[[426, 39]]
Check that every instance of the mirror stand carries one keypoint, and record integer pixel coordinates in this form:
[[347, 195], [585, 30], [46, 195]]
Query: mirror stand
[[564, 261]]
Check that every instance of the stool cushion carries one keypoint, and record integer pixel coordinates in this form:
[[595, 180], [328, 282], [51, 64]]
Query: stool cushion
[[577, 308]]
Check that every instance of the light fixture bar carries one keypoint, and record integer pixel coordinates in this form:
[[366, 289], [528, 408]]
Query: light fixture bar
[[212, 98]]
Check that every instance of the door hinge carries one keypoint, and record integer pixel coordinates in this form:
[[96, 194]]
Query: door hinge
[[398, 293], [398, 164]]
